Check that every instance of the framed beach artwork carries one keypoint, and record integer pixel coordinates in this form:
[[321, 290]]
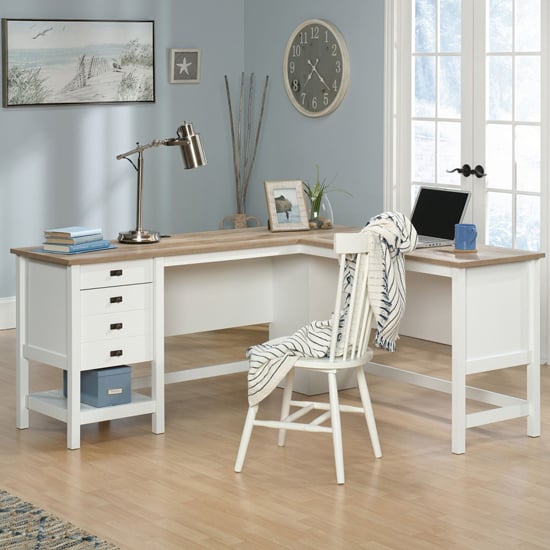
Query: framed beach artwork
[[72, 62], [286, 205], [185, 66]]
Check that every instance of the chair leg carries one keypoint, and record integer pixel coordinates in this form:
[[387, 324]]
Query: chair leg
[[245, 437], [285, 407], [369, 413], [336, 427]]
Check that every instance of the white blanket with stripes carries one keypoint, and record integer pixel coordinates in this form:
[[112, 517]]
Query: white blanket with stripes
[[386, 277], [270, 362]]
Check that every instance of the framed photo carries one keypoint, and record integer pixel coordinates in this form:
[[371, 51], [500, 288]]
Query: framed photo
[[286, 205], [71, 62], [185, 66]]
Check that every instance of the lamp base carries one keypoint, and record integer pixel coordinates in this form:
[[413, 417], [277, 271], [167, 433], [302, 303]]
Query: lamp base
[[139, 236]]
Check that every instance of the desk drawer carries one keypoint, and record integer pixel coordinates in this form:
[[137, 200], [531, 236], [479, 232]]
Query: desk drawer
[[116, 274], [110, 353], [116, 299], [117, 325]]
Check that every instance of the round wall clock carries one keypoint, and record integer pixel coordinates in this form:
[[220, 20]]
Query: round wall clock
[[316, 68]]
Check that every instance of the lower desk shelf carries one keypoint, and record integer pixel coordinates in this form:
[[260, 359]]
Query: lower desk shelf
[[52, 403]]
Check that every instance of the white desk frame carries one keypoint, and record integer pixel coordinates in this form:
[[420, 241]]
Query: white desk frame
[[495, 305], [219, 279]]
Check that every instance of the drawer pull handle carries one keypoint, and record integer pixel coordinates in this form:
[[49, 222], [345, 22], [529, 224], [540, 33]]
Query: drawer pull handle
[[116, 326], [116, 273], [116, 353], [116, 299]]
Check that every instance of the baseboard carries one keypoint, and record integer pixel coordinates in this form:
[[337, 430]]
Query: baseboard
[[7, 313]]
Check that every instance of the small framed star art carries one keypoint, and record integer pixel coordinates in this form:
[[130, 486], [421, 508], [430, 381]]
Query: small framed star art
[[184, 66]]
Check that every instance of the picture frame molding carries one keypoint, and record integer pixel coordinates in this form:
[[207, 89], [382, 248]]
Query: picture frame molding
[[195, 53], [41, 58], [299, 220]]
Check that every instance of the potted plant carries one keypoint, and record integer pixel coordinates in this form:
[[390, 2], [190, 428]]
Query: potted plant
[[321, 215]]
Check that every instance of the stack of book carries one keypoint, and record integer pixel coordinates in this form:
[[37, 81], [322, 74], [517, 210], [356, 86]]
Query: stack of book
[[75, 239]]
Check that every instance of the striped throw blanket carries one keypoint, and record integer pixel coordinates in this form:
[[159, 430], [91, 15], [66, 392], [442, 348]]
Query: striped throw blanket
[[271, 361], [386, 276]]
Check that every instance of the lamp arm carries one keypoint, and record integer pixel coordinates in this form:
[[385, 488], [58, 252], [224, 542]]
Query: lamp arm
[[141, 148]]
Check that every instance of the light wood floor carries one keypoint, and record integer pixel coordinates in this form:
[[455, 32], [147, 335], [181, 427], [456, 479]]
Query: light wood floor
[[178, 490]]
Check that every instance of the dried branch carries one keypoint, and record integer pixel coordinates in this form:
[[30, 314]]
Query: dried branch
[[260, 119], [236, 162], [243, 161]]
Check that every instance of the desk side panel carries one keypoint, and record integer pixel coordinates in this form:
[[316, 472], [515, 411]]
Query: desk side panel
[[47, 311], [497, 311]]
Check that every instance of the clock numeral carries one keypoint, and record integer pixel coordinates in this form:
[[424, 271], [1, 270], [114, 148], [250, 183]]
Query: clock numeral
[[334, 50], [335, 86], [327, 35], [325, 99], [314, 32], [303, 96], [296, 50], [295, 85], [303, 37], [338, 66], [291, 67], [314, 102]]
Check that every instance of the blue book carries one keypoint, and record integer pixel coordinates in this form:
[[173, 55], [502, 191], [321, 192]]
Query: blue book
[[75, 248], [71, 231], [74, 240]]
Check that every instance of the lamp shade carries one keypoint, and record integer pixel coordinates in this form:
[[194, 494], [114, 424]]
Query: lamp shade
[[190, 146]]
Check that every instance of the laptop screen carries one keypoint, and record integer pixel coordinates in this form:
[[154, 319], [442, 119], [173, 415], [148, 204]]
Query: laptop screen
[[437, 210]]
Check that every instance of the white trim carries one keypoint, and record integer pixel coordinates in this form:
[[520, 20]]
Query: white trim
[[389, 178], [397, 107], [545, 172], [7, 313]]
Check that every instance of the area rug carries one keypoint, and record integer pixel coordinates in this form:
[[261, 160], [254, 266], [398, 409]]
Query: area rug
[[27, 527]]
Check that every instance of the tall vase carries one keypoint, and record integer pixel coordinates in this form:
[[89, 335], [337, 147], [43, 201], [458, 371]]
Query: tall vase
[[322, 217]]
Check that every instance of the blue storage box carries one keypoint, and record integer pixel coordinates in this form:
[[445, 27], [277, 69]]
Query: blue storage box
[[104, 387]]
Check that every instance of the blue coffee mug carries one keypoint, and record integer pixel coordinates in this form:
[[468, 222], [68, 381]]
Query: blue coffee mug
[[465, 236]]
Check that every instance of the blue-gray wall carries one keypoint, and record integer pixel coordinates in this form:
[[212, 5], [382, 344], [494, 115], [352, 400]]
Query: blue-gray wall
[[347, 144], [58, 166]]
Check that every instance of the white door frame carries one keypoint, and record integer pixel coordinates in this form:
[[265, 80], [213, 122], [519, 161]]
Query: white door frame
[[397, 140]]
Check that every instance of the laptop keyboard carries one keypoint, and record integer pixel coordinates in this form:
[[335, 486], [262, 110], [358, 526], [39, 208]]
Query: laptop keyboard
[[428, 242]]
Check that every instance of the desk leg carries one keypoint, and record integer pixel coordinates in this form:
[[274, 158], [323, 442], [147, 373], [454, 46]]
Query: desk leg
[[74, 358], [22, 365], [73, 408], [157, 374], [533, 368], [459, 347]]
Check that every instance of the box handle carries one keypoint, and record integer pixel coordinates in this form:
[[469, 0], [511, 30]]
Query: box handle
[[116, 273], [116, 353], [116, 299], [116, 326]]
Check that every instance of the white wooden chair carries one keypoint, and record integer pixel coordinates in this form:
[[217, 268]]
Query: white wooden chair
[[352, 352]]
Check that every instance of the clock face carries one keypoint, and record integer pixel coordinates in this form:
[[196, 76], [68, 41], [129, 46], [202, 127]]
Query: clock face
[[316, 68]]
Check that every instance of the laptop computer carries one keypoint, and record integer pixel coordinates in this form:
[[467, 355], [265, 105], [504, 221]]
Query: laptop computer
[[435, 213]]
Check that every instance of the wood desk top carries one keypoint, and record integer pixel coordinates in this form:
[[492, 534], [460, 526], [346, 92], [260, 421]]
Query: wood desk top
[[226, 240]]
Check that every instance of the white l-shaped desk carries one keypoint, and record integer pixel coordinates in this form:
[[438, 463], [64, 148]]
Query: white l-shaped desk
[[112, 307]]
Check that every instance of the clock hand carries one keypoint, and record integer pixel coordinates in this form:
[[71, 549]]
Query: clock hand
[[314, 68], [310, 73]]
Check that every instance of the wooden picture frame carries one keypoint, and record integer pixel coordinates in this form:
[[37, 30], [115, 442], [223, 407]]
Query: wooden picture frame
[[74, 62], [286, 205], [185, 66]]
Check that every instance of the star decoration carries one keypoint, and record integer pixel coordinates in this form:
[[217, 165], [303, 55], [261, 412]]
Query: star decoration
[[184, 66]]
